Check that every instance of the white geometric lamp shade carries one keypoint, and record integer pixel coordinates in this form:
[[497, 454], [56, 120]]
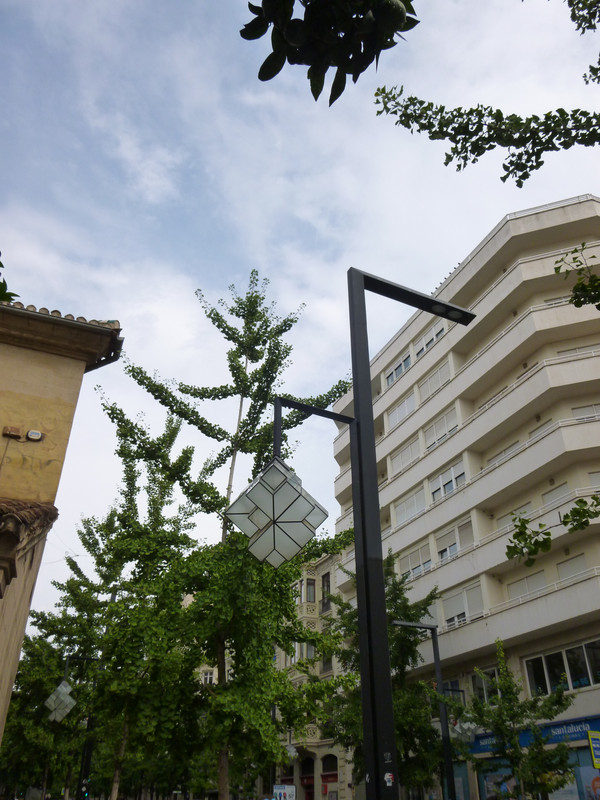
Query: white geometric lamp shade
[[277, 514]]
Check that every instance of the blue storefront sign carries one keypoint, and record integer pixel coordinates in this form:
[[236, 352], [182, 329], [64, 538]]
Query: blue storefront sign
[[567, 731]]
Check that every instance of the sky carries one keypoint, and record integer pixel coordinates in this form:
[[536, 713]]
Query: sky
[[141, 159]]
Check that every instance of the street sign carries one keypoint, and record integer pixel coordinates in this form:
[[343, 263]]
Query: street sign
[[594, 737], [284, 792]]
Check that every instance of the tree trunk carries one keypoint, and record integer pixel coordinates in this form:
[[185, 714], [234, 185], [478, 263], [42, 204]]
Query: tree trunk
[[68, 779], [114, 789], [224, 752], [44, 782], [233, 460]]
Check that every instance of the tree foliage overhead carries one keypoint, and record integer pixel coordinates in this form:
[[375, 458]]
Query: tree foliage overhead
[[472, 132], [346, 35]]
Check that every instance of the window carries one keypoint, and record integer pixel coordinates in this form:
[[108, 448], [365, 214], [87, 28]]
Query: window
[[462, 605], [300, 592], [555, 494], [410, 505], [401, 410], [541, 429], [452, 542], [400, 367], [483, 688], [327, 664], [310, 650], [587, 412], [310, 590], [416, 563], [434, 381], [429, 338], [447, 481], [570, 567], [208, 677], [521, 511], [325, 591], [526, 585], [580, 664], [441, 427], [405, 456], [502, 454]]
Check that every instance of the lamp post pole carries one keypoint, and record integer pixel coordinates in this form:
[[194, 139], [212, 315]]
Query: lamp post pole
[[379, 741], [448, 765]]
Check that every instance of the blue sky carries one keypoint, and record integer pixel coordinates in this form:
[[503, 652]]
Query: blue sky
[[142, 159]]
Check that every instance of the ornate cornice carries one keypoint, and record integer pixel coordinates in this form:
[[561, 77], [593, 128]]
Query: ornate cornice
[[22, 525]]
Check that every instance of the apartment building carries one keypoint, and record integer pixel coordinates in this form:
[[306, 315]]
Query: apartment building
[[472, 425]]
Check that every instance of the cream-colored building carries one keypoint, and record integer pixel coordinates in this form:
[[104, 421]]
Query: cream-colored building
[[473, 424], [43, 358]]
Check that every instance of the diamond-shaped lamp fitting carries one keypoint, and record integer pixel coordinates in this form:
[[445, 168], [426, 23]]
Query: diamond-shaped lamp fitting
[[277, 514]]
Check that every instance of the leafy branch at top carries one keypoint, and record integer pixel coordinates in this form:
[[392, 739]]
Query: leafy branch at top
[[586, 290], [348, 35], [5, 295], [527, 543], [472, 132]]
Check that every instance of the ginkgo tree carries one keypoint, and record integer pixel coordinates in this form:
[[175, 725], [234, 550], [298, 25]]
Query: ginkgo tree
[[242, 609]]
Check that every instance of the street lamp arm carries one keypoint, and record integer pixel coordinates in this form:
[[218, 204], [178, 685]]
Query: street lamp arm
[[410, 297], [278, 402]]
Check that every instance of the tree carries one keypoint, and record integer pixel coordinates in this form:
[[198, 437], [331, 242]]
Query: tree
[[348, 35], [35, 750], [241, 608], [518, 741], [127, 627], [419, 744]]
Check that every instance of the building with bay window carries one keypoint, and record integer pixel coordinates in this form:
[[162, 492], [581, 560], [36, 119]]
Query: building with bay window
[[472, 426]]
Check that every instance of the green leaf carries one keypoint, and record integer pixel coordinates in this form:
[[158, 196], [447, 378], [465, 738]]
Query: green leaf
[[271, 66], [254, 29], [338, 85]]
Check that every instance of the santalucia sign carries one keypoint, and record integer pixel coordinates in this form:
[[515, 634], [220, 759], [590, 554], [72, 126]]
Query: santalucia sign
[[566, 731]]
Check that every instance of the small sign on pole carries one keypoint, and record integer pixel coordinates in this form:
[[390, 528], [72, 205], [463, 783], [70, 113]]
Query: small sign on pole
[[594, 737], [284, 792]]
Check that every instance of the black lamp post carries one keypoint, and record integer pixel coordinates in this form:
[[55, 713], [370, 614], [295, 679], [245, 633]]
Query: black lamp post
[[447, 749], [379, 743], [376, 684]]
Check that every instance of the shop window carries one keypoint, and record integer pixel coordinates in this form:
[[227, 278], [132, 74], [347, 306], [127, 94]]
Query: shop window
[[579, 664]]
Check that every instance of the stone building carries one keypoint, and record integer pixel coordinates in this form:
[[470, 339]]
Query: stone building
[[43, 358]]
